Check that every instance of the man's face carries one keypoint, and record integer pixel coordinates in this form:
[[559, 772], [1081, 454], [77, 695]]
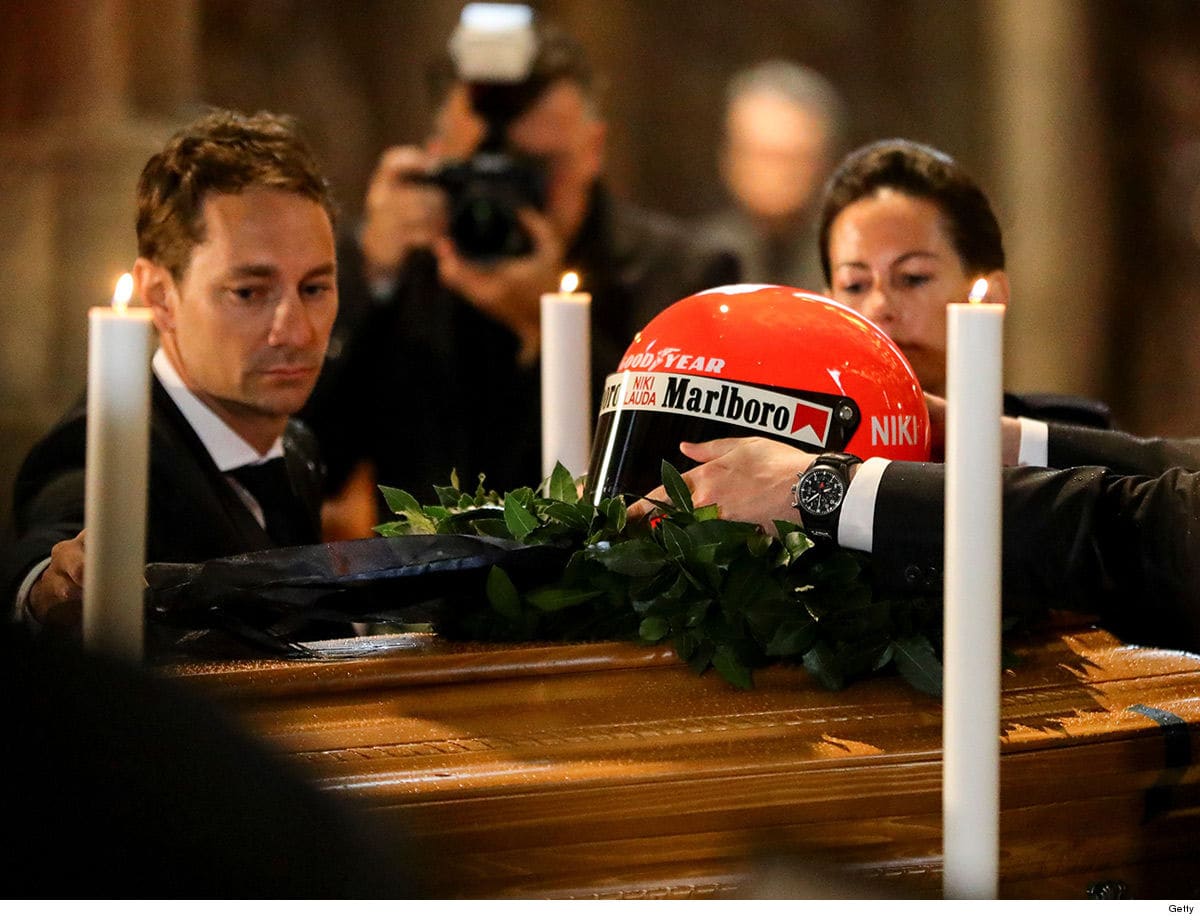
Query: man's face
[[248, 324], [559, 127], [775, 155]]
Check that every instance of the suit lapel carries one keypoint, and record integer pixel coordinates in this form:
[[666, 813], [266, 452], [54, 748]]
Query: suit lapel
[[183, 463]]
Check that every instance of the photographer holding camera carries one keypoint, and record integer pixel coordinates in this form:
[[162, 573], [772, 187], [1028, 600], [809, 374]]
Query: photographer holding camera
[[435, 366]]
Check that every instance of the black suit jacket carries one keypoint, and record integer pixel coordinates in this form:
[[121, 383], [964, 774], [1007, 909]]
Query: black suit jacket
[[1059, 407], [424, 382], [1114, 531], [194, 515]]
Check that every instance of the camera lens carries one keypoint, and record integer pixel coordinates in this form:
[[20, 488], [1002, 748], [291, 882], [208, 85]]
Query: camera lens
[[485, 193], [484, 226]]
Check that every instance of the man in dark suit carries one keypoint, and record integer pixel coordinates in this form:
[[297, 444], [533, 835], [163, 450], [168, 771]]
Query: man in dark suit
[[1097, 521], [236, 260], [427, 325]]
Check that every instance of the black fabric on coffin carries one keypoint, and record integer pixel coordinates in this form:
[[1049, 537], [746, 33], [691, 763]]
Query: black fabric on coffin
[[286, 522], [264, 601]]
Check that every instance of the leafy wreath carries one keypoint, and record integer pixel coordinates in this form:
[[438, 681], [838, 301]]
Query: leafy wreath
[[725, 594]]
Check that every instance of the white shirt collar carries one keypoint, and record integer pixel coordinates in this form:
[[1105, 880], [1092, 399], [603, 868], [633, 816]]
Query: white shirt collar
[[227, 448]]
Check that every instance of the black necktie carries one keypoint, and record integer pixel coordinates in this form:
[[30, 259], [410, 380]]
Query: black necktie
[[272, 489]]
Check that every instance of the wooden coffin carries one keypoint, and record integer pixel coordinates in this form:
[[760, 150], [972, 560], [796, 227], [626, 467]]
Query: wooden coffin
[[611, 769]]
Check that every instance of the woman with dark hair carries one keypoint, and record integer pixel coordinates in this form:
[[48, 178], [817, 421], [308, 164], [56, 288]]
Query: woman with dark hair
[[904, 230]]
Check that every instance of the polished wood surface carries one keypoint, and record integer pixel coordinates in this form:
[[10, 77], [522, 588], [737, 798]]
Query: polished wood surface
[[611, 769]]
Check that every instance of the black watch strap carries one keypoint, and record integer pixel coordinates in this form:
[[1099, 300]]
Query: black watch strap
[[819, 493]]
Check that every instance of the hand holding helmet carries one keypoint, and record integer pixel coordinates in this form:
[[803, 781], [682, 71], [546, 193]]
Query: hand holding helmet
[[747, 477]]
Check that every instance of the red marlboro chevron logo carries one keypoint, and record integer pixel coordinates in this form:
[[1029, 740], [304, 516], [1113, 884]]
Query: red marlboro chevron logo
[[811, 418]]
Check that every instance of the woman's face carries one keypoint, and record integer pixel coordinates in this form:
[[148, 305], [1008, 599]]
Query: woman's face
[[891, 260]]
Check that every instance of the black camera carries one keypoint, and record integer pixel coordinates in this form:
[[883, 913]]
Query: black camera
[[493, 50], [485, 194]]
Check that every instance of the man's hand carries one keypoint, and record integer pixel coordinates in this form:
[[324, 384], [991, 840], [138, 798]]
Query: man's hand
[[937, 427], [1010, 433], [402, 213], [56, 598], [509, 291], [750, 479]]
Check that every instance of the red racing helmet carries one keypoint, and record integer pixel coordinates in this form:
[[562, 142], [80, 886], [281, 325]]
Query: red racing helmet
[[754, 360]]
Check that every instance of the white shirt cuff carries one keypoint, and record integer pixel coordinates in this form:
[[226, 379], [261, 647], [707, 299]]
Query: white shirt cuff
[[1035, 443], [21, 612], [857, 522]]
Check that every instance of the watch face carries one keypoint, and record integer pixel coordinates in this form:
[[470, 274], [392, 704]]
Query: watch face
[[821, 491]]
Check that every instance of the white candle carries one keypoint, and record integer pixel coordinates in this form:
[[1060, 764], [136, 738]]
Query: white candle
[[118, 426], [566, 378], [971, 727]]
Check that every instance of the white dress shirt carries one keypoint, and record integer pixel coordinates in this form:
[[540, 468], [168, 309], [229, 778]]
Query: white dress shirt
[[227, 448]]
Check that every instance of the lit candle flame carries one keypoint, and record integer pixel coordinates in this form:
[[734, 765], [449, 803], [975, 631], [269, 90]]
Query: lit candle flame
[[569, 283], [978, 291], [123, 292]]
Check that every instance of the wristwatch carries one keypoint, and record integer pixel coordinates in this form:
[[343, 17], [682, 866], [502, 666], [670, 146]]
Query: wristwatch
[[819, 492]]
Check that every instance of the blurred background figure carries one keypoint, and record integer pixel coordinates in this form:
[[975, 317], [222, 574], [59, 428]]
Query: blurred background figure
[[437, 365], [783, 125]]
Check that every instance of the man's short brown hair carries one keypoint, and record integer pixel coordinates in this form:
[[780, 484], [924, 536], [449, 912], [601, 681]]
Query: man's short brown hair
[[223, 152]]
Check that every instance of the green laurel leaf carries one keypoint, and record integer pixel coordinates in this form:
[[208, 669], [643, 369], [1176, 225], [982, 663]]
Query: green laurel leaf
[[562, 486], [917, 662], [677, 491], [727, 663], [519, 519], [654, 628], [637, 558], [502, 594]]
